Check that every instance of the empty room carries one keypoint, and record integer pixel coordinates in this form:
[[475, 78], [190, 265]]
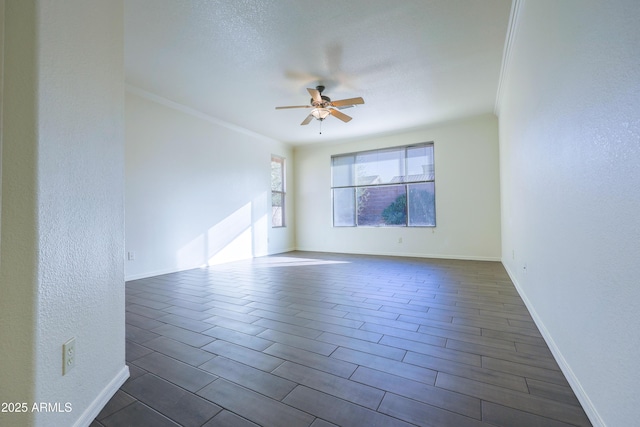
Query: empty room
[[296, 213]]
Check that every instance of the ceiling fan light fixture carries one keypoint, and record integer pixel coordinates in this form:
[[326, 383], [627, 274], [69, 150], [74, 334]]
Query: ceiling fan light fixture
[[320, 113]]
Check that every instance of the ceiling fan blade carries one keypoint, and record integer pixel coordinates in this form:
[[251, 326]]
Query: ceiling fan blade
[[293, 106], [307, 120], [350, 101], [339, 115], [315, 95]]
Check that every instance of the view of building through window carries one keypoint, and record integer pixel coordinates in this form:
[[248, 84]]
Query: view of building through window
[[384, 188], [277, 191]]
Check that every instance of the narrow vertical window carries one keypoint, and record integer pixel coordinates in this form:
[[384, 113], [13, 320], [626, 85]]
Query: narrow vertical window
[[277, 191]]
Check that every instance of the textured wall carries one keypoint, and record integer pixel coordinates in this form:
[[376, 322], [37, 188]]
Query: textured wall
[[569, 153], [467, 196], [198, 190], [63, 208]]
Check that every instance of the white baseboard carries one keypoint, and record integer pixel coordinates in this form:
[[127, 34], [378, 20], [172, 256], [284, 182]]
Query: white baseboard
[[156, 273], [177, 270], [408, 255], [575, 384], [282, 251], [103, 398]]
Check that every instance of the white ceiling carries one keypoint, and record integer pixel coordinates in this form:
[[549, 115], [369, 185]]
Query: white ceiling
[[415, 62]]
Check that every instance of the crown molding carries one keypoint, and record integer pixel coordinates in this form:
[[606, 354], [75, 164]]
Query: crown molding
[[514, 17], [193, 112]]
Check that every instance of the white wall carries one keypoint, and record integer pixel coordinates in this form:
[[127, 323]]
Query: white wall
[[62, 208], [570, 150], [467, 196], [198, 190]]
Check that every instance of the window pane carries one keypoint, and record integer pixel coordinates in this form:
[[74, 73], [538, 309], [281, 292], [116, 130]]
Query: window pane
[[382, 206], [380, 166], [344, 207], [420, 163], [277, 191], [277, 205], [277, 174], [342, 171], [422, 204]]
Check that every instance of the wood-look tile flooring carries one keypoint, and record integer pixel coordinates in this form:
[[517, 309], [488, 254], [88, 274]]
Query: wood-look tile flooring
[[316, 339]]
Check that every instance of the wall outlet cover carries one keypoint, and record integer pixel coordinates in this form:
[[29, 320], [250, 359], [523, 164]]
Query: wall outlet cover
[[68, 355]]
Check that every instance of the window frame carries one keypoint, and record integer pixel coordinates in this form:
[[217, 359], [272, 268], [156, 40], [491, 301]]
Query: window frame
[[282, 191], [401, 182]]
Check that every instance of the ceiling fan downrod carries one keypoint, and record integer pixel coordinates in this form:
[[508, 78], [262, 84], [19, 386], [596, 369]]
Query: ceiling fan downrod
[[320, 88]]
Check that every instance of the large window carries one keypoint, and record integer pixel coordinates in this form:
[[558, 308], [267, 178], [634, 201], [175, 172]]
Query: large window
[[392, 187], [277, 191]]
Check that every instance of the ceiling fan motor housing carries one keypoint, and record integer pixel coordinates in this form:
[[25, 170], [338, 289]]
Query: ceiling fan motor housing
[[326, 100]]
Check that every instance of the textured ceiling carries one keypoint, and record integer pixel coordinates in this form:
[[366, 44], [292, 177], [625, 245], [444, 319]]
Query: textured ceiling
[[414, 62]]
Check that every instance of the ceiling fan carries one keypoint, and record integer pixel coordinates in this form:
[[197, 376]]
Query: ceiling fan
[[322, 106]]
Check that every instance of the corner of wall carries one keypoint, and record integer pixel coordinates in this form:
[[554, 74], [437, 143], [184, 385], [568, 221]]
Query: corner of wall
[[571, 377], [94, 408]]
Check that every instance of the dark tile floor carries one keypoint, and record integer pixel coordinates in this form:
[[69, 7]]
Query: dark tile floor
[[312, 339]]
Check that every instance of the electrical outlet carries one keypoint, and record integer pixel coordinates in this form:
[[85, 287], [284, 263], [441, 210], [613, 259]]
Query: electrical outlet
[[68, 355], [399, 239], [131, 256]]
